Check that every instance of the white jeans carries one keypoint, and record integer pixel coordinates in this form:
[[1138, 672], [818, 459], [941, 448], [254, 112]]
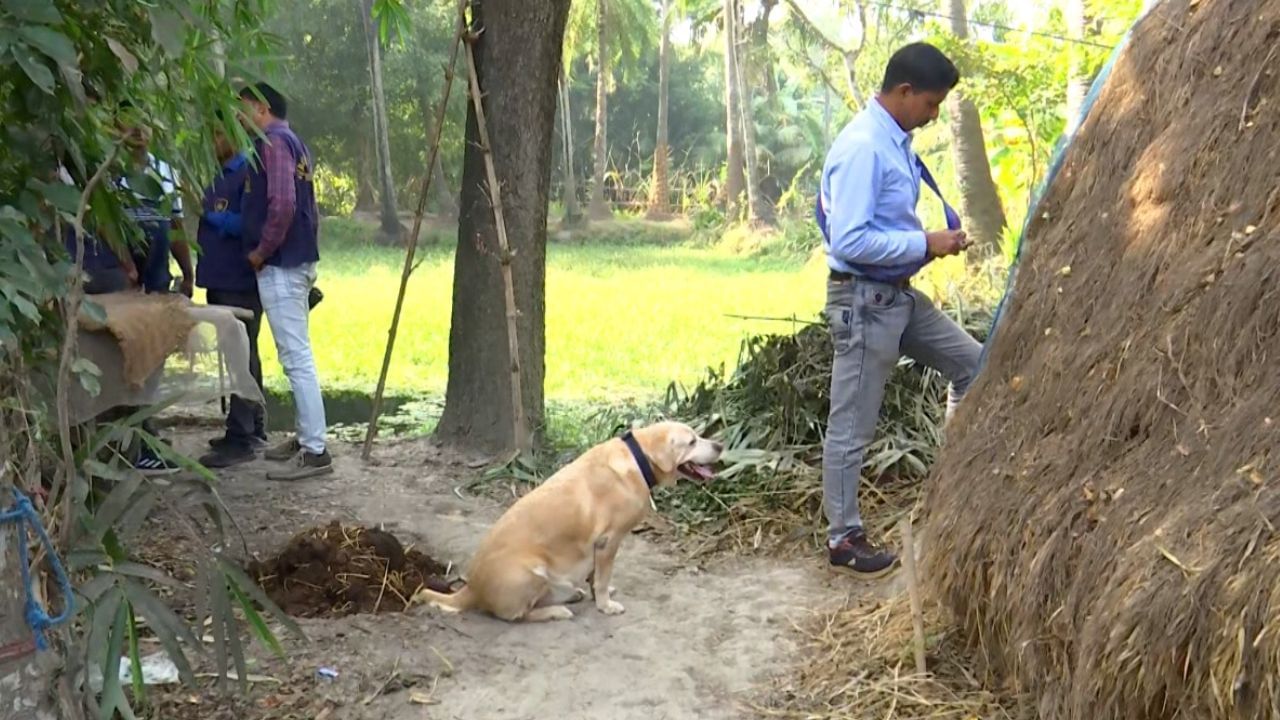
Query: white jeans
[[284, 301]]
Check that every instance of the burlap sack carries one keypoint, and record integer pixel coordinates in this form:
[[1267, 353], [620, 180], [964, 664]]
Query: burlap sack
[[148, 328]]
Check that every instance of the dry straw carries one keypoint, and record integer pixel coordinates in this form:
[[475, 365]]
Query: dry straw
[[1104, 516], [856, 663]]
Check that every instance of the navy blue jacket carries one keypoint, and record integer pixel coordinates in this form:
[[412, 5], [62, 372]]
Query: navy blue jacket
[[224, 251]]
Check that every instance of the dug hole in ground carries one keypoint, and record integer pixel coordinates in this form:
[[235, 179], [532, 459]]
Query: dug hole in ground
[[696, 640]]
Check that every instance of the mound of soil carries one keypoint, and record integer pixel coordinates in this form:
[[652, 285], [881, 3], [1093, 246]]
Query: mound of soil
[[338, 570]]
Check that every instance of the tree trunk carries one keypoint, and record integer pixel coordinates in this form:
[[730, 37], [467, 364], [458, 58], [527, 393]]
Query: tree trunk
[[27, 677], [734, 179], [660, 188], [446, 201], [599, 209], [761, 54], [757, 212], [521, 109], [1077, 82], [366, 201], [572, 211], [26, 685], [980, 201], [390, 220]]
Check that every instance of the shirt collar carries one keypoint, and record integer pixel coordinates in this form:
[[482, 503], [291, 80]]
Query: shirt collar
[[896, 133], [236, 162], [277, 124]]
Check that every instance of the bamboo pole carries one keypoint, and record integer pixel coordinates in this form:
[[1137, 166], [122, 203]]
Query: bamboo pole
[[913, 590], [411, 244], [523, 440]]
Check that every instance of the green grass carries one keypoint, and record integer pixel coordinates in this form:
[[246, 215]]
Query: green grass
[[623, 319], [631, 307]]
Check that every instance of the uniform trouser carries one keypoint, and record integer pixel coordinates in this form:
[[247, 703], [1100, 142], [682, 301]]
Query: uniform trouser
[[245, 420]]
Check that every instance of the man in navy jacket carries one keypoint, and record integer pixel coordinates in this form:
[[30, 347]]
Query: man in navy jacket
[[228, 278]]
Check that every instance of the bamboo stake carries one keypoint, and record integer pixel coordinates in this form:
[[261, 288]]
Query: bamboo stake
[[523, 440], [411, 244], [913, 590]]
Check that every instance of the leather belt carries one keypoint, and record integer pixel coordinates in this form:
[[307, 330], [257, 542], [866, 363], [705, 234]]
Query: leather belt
[[843, 277]]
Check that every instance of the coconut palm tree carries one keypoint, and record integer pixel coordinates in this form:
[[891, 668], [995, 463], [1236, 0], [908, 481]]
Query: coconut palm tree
[[613, 34]]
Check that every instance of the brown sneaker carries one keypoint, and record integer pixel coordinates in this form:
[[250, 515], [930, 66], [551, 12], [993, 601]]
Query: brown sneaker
[[307, 465], [857, 555], [286, 450]]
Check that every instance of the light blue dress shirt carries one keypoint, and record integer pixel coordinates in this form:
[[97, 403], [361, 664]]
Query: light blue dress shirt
[[869, 190]]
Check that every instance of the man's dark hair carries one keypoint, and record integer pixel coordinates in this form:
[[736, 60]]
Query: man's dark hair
[[922, 66], [264, 92]]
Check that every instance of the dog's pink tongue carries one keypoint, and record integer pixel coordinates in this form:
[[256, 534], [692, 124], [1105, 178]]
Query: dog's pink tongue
[[703, 471]]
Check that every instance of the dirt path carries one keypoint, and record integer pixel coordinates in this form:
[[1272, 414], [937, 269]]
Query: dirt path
[[691, 643]]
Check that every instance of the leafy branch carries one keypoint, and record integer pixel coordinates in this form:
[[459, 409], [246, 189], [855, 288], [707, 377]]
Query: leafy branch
[[71, 313]]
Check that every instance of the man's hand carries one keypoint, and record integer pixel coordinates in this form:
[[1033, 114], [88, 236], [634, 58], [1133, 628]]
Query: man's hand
[[188, 286], [256, 260], [942, 243]]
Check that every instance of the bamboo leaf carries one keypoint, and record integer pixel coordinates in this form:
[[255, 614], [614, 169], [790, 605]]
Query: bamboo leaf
[[168, 628], [63, 197], [135, 659], [133, 519], [245, 583], [219, 613], [36, 70], [116, 502], [145, 572], [82, 559], [113, 699], [127, 59], [264, 633], [168, 30], [92, 589], [52, 43], [103, 612], [38, 11]]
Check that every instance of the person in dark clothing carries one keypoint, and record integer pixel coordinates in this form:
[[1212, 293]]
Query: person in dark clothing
[[106, 269], [223, 270]]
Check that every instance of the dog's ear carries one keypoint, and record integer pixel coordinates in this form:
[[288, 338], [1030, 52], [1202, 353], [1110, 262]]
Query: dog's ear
[[666, 450]]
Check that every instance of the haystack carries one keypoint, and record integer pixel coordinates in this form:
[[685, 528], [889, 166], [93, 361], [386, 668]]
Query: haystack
[[1103, 522]]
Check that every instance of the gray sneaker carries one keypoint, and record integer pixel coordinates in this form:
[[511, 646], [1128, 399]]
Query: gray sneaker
[[307, 465], [286, 450]]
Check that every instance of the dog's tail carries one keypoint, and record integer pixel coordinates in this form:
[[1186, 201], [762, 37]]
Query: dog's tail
[[456, 602]]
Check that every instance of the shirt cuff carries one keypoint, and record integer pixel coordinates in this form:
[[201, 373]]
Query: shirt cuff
[[918, 246]]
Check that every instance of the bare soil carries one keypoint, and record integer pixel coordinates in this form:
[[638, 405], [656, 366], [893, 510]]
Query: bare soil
[[696, 640]]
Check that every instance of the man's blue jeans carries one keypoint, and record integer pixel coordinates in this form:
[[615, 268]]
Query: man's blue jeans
[[284, 301]]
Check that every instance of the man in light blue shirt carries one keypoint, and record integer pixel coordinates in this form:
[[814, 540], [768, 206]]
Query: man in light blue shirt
[[875, 243]]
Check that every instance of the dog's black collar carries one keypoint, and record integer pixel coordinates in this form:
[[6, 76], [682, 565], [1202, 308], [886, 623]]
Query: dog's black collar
[[645, 468]]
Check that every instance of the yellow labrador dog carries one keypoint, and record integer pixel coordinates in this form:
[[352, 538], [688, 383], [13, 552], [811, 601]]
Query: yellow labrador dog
[[569, 528]]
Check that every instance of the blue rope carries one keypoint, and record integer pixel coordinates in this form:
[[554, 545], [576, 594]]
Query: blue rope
[[24, 513], [1060, 151]]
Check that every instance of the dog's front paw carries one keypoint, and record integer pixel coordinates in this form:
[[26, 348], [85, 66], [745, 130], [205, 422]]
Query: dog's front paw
[[612, 607]]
